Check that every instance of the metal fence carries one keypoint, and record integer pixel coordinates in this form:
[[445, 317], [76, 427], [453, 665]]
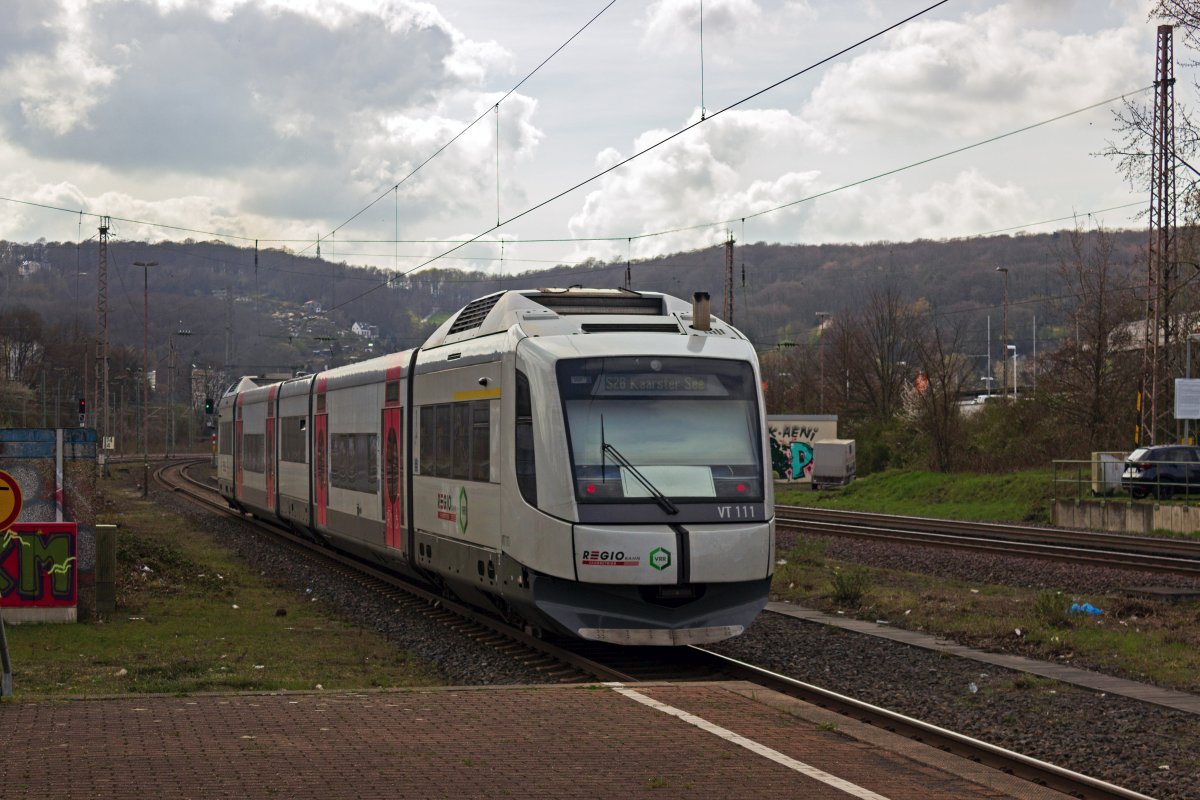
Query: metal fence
[[1109, 475]]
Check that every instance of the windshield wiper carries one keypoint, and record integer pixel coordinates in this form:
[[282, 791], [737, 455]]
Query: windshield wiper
[[658, 496]]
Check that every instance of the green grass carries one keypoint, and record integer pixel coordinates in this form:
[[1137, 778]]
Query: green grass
[[191, 617], [1138, 639], [1009, 497]]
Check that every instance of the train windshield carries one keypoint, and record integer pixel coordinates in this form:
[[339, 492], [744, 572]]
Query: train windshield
[[650, 428]]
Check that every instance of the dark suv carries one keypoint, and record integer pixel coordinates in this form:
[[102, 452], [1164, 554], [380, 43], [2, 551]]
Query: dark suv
[[1163, 471]]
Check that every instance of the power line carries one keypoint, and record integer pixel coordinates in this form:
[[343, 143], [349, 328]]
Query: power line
[[472, 124], [663, 141], [896, 170]]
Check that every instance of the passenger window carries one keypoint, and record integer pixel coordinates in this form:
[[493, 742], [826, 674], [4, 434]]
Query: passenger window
[[481, 440], [443, 453], [524, 454], [461, 467], [428, 442]]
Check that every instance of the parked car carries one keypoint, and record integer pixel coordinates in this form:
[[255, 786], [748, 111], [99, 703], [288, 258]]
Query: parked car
[[1163, 471]]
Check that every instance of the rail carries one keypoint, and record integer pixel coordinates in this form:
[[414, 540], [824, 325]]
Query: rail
[[1030, 769], [632, 665], [1179, 556], [546, 656]]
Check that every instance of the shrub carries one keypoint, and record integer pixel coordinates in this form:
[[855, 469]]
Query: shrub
[[1050, 608], [849, 585]]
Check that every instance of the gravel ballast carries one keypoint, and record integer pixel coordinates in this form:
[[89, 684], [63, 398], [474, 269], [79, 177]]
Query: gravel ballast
[[1136, 745], [455, 658], [1139, 746]]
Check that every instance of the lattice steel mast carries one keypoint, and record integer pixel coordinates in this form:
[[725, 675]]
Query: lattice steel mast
[[101, 418], [1159, 360]]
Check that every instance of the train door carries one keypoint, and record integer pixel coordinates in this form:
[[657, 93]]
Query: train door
[[237, 448], [321, 456], [393, 453], [272, 453]]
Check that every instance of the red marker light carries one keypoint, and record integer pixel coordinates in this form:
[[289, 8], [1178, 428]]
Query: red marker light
[[741, 487], [591, 488]]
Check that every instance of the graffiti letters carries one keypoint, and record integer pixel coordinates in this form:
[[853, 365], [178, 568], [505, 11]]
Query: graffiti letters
[[38, 565]]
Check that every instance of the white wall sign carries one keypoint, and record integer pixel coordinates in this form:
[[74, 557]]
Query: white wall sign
[[1187, 398]]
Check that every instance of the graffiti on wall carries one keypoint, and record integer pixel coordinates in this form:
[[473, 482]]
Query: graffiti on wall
[[792, 441], [38, 565]]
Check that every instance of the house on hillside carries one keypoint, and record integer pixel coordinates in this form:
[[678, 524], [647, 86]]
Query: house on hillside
[[28, 268], [312, 307], [366, 330]]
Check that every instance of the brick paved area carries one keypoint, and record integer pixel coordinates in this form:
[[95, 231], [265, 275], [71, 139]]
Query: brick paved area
[[524, 742]]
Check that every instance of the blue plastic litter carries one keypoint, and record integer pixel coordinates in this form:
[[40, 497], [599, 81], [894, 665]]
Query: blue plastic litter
[[1080, 609]]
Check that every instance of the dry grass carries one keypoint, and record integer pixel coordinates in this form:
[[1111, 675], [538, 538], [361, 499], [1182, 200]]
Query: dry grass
[[1139, 639], [191, 617]]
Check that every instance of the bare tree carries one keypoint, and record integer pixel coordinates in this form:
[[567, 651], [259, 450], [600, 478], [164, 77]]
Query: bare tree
[[790, 374], [885, 339], [1088, 385], [20, 344], [946, 370]]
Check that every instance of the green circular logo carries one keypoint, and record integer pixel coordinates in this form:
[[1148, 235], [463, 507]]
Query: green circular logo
[[462, 510], [660, 558]]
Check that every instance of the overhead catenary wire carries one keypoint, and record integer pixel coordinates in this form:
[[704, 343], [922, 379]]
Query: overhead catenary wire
[[573, 266], [475, 121], [671, 137], [626, 236]]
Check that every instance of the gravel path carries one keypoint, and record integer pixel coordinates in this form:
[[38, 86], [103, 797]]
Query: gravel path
[[1135, 745]]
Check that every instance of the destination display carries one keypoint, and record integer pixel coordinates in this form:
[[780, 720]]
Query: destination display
[[658, 383]]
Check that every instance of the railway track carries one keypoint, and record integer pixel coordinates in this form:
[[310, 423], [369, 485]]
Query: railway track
[[1177, 556], [555, 662], [1007, 761], [574, 662]]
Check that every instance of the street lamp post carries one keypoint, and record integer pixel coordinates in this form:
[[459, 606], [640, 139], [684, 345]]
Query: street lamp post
[[171, 389], [822, 317], [145, 265], [1004, 377], [1013, 347]]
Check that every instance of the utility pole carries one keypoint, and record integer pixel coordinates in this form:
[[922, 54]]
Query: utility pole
[[727, 315], [822, 318], [145, 265], [1158, 359], [989, 355], [171, 390], [1004, 362], [229, 353], [102, 341]]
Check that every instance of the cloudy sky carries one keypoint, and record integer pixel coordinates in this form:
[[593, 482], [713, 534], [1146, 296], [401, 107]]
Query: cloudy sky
[[283, 120]]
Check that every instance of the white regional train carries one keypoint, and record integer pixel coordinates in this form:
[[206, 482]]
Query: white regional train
[[590, 462]]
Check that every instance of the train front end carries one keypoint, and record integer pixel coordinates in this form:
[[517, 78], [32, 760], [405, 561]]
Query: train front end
[[650, 475]]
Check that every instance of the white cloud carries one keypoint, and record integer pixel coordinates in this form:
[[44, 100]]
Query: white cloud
[[891, 211], [705, 175], [976, 76], [674, 25], [300, 107]]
